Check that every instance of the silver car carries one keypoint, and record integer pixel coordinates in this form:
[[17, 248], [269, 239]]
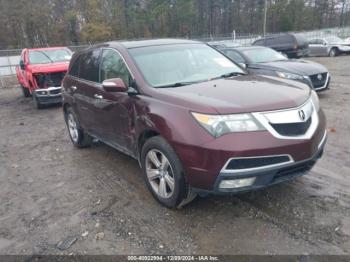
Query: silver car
[[328, 46]]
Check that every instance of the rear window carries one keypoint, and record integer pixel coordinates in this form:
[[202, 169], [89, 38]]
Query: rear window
[[301, 40], [74, 67], [259, 42]]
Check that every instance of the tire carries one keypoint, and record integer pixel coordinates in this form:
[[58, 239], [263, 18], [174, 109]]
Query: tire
[[333, 52], [38, 105], [76, 133], [164, 176], [25, 91]]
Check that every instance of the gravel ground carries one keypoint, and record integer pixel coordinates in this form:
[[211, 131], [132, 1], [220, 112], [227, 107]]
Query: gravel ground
[[52, 192]]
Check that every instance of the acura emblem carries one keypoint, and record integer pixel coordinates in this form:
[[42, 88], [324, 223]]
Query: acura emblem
[[302, 114], [319, 77]]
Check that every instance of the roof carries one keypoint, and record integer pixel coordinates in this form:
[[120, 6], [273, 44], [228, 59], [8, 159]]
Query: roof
[[247, 47], [153, 42], [48, 48]]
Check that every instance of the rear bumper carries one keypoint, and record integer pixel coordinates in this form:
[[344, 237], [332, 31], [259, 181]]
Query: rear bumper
[[265, 176], [51, 95]]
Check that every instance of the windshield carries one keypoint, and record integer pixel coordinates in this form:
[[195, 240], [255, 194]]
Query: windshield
[[263, 55], [181, 63], [334, 39], [49, 56]]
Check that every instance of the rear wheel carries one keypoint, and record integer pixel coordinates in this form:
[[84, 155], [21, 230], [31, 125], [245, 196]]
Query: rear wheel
[[25, 91], [76, 133], [164, 174], [333, 52]]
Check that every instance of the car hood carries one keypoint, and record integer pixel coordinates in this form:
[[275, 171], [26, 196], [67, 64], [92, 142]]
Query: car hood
[[295, 66], [49, 68], [239, 94]]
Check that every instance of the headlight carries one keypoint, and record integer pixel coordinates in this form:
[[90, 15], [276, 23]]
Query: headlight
[[218, 125], [289, 76], [315, 101]]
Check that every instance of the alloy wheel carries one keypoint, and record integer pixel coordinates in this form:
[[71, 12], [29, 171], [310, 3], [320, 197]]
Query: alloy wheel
[[72, 127], [160, 173]]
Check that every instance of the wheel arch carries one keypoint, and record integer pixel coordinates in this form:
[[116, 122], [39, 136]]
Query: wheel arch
[[143, 137]]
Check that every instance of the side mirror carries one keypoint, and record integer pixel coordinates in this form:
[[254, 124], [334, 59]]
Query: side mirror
[[21, 65], [114, 85], [244, 65]]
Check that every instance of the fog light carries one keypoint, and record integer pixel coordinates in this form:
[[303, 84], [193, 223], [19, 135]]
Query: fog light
[[237, 183]]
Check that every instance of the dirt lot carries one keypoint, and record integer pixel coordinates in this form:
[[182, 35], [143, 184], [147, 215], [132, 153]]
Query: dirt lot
[[51, 191]]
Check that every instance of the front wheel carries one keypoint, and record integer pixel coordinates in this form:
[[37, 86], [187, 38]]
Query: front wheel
[[77, 134], [164, 174], [25, 91], [333, 52]]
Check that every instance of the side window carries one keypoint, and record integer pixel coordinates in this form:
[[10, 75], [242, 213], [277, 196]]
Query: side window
[[74, 67], [259, 42], [272, 41], [286, 39], [89, 65], [312, 42], [236, 57], [113, 66]]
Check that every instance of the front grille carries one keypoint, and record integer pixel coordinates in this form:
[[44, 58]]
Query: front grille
[[55, 91], [254, 162], [292, 129], [317, 83]]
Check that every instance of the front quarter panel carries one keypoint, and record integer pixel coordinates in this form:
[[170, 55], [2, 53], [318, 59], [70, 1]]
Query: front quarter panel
[[174, 123]]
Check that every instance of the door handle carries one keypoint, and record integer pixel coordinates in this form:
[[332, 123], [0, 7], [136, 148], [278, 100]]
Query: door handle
[[73, 88], [98, 96]]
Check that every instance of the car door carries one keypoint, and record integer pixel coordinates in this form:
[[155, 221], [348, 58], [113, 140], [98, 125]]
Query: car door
[[115, 110], [316, 47], [85, 89], [22, 74], [313, 47], [323, 49]]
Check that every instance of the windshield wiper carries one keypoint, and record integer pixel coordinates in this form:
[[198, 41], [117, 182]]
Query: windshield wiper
[[227, 75], [178, 84], [44, 55]]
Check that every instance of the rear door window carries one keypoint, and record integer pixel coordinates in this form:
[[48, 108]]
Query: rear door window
[[74, 68], [89, 64]]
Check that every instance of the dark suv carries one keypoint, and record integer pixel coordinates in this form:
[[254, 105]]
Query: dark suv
[[293, 45], [195, 121]]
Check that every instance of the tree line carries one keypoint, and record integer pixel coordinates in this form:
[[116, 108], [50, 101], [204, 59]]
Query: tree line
[[34, 23]]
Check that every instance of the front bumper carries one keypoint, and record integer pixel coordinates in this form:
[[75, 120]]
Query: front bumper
[[265, 176], [344, 49], [204, 163], [50, 95]]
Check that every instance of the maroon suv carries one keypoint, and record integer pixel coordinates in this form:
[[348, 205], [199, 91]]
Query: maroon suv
[[195, 121]]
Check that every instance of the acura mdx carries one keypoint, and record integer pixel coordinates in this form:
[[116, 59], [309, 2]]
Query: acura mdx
[[196, 122]]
